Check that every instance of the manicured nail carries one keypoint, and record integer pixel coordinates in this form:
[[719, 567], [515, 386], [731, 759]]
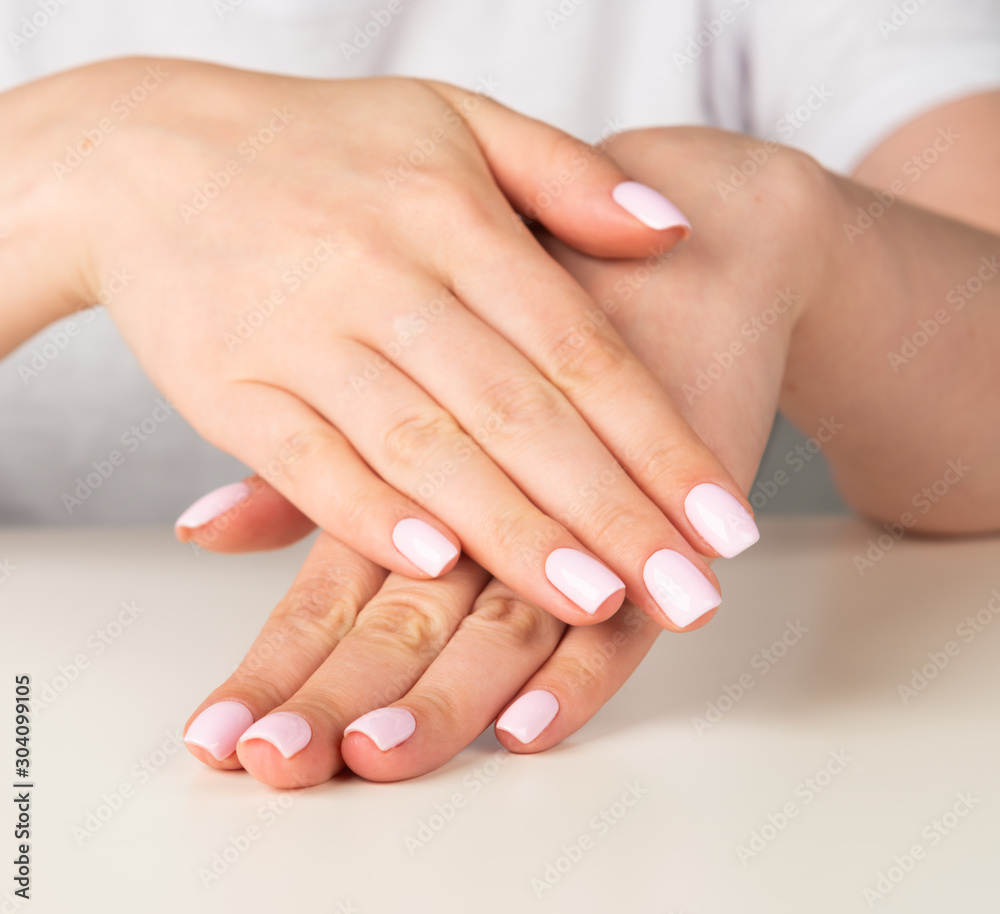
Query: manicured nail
[[649, 206], [679, 588], [584, 580], [287, 732], [720, 519], [529, 715], [385, 727], [428, 549], [210, 506], [218, 728]]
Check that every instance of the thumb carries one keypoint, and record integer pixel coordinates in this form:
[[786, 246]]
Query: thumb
[[576, 190], [248, 516]]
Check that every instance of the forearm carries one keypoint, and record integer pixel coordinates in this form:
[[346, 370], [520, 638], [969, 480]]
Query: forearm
[[901, 348]]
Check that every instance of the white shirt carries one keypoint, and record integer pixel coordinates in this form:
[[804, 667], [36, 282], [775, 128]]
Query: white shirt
[[833, 78]]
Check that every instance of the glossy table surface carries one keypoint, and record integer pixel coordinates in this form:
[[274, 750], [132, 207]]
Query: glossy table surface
[[829, 743]]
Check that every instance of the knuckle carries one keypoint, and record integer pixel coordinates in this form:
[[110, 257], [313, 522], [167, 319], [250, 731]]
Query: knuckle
[[295, 454], [615, 523], [412, 436], [507, 617], [661, 464], [440, 710], [585, 356], [406, 621], [317, 604], [517, 405]]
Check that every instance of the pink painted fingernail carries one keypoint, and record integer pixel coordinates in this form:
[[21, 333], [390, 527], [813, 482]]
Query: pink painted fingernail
[[210, 506], [218, 728], [428, 549], [679, 588], [584, 580], [649, 206], [287, 732], [529, 715], [720, 519], [385, 727]]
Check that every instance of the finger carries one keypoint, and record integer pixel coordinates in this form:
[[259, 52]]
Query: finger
[[394, 640], [575, 189], [495, 650], [315, 467], [580, 677], [419, 448], [247, 516], [318, 610], [543, 445], [573, 345]]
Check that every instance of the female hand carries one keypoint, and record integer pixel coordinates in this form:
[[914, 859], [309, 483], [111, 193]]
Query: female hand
[[426, 666], [327, 279]]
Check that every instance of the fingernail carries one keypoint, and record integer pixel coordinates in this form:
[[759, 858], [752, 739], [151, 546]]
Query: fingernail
[[529, 715], [210, 506], [679, 588], [287, 732], [649, 206], [385, 727], [720, 519], [428, 549], [218, 728], [582, 579]]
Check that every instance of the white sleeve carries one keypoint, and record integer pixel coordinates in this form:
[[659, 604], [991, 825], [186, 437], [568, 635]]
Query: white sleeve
[[835, 77]]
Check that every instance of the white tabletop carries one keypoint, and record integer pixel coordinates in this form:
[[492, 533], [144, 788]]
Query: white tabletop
[[847, 786]]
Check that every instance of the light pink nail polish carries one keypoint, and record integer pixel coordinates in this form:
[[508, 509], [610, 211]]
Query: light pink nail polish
[[649, 206], [210, 506], [428, 549], [287, 732], [529, 715], [218, 728], [720, 519], [582, 579], [679, 588], [385, 727]]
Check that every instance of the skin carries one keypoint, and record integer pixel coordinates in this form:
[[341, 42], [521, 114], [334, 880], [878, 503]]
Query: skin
[[677, 321], [349, 392]]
